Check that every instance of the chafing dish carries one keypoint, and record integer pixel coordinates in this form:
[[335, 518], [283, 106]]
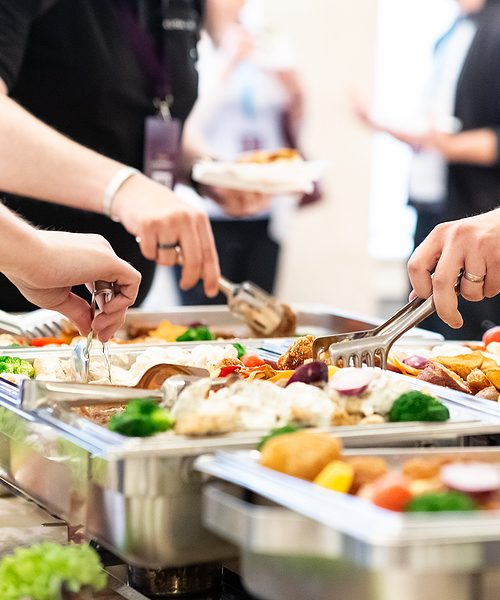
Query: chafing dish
[[300, 541], [316, 320], [141, 498]]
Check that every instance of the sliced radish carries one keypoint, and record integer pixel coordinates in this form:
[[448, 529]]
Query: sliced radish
[[351, 381], [471, 478], [417, 362]]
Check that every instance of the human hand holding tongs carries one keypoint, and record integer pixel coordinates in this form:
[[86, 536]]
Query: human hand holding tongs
[[102, 292]]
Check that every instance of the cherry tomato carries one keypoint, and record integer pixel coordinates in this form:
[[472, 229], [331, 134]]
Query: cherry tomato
[[252, 360], [492, 335], [393, 497], [45, 341]]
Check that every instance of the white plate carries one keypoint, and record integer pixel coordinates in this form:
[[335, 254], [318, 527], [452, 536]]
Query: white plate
[[280, 177]]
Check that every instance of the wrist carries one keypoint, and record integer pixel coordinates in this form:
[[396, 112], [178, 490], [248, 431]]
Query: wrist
[[115, 184]]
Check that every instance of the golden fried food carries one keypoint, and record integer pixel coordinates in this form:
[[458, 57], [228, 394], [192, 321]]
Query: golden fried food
[[366, 470], [302, 454], [461, 364], [297, 354], [489, 393], [438, 374], [266, 156], [425, 468], [228, 362], [494, 377], [477, 381]]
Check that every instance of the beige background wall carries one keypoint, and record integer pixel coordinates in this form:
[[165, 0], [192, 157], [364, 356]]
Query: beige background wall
[[326, 259]]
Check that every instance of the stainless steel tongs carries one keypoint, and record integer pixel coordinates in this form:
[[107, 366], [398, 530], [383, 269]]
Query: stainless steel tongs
[[260, 311], [371, 347], [102, 293]]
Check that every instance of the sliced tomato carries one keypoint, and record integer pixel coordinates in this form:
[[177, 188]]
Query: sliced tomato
[[227, 370], [492, 335], [252, 360], [45, 341]]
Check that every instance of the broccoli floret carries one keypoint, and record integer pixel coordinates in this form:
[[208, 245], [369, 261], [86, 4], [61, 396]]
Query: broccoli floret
[[19, 366], [141, 418], [441, 502], [196, 334], [416, 406]]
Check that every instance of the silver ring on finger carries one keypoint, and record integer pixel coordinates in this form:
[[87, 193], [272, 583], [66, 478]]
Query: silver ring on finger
[[176, 247], [474, 278], [167, 246]]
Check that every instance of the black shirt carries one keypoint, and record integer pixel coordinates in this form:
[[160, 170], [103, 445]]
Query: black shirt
[[70, 64]]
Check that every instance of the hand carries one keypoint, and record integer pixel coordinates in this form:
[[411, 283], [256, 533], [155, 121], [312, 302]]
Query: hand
[[471, 244], [154, 214], [62, 260], [238, 203]]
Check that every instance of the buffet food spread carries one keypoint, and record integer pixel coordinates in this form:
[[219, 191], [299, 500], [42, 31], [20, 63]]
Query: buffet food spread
[[119, 460]]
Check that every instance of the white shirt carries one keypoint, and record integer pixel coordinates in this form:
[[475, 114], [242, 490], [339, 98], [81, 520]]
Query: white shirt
[[428, 174]]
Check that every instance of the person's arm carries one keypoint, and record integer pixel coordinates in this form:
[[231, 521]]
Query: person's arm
[[471, 244], [39, 162], [44, 265], [475, 146]]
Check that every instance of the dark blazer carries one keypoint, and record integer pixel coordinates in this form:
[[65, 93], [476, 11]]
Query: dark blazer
[[474, 189]]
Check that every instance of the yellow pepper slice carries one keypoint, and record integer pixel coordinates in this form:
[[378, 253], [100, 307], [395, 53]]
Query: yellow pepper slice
[[337, 476]]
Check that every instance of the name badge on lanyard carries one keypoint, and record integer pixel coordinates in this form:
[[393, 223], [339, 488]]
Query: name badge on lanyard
[[161, 145], [161, 132]]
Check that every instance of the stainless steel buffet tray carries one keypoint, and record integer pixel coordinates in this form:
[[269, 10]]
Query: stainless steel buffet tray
[[314, 319], [301, 541], [141, 498]]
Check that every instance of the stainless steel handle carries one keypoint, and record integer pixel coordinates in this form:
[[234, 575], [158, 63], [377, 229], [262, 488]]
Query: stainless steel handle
[[10, 324], [228, 288]]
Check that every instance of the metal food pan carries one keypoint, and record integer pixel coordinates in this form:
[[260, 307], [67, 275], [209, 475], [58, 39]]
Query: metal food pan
[[300, 541], [141, 498], [315, 319]]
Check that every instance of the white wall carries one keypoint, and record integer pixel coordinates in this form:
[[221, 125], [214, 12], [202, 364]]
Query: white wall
[[326, 260]]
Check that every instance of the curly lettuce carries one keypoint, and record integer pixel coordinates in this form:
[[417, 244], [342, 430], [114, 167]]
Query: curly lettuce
[[39, 572]]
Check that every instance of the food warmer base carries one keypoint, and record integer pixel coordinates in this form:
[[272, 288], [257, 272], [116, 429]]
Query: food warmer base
[[298, 541]]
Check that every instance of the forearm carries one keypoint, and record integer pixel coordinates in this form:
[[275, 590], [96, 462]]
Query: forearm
[[476, 147], [53, 167], [20, 242]]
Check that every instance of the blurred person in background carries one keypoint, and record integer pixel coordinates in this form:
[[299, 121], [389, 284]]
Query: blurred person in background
[[119, 77], [455, 170], [250, 99]]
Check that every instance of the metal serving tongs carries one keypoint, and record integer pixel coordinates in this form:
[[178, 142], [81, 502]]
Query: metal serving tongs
[[262, 312], [371, 347], [102, 293]]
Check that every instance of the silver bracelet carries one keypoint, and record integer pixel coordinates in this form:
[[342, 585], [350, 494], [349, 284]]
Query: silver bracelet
[[112, 189]]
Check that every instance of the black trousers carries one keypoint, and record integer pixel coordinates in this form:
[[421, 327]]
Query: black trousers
[[477, 316], [246, 253]]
